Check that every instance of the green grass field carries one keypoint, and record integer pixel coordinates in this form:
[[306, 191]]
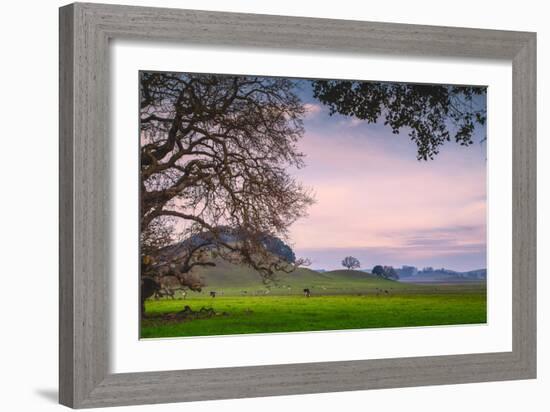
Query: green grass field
[[340, 300]]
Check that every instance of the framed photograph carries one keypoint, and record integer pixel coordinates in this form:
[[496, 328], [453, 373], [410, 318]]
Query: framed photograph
[[257, 205]]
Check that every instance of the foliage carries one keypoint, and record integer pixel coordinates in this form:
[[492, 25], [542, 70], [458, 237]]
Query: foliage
[[390, 273], [378, 270], [351, 262], [431, 114], [385, 272], [279, 248], [407, 271]]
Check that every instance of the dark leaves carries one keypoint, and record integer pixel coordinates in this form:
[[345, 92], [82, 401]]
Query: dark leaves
[[430, 114]]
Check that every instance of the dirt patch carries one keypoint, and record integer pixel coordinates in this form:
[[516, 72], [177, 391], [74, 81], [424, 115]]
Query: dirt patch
[[189, 314]]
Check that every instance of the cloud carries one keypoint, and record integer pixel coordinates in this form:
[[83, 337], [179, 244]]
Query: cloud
[[458, 247], [351, 122], [443, 238], [373, 195], [312, 109]]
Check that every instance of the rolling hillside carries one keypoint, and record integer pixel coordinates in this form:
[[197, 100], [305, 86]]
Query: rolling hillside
[[233, 279], [345, 274]]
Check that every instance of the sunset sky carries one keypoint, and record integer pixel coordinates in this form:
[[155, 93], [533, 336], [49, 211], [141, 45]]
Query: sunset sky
[[376, 202]]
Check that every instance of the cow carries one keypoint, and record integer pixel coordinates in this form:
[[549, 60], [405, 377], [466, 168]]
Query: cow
[[212, 294], [307, 293]]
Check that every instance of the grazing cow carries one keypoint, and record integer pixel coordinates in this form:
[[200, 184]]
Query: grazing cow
[[307, 293], [212, 294]]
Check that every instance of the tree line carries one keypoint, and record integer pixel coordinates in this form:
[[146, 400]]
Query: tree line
[[385, 272]]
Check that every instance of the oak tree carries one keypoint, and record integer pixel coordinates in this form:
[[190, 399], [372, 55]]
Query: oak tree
[[351, 262], [430, 114], [214, 158]]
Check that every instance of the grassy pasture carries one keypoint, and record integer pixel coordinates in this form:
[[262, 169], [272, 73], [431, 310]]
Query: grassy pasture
[[339, 301]]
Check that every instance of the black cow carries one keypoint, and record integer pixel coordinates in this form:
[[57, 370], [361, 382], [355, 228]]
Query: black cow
[[212, 294], [307, 293]]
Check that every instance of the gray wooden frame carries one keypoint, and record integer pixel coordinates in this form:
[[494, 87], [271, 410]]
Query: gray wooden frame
[[85, 31]]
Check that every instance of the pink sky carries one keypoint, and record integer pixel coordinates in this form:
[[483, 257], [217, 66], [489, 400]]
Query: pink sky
[[375, 201]]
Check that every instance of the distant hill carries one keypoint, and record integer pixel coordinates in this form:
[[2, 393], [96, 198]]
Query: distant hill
[[271, 243], [351, 275], [446, 276], [475, 274]]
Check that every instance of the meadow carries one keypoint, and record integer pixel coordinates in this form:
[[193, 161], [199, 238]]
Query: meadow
[[340, 300]]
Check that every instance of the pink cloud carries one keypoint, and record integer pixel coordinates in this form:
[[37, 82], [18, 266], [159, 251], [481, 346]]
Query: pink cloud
[[312, 109], [370, 194]]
